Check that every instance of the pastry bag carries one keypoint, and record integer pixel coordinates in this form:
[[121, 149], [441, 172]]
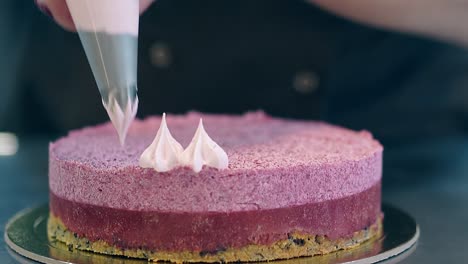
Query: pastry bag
[[108, 30]]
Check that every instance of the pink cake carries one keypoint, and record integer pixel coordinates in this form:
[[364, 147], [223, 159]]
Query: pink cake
[[293, 188]]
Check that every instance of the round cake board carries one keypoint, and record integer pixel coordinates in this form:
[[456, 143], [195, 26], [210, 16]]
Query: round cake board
[[26, 235]]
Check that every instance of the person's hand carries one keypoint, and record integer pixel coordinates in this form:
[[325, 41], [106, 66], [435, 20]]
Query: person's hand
[[442, 19], [58, 10]]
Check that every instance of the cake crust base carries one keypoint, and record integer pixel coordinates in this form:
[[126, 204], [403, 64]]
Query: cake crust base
[[297, 245]]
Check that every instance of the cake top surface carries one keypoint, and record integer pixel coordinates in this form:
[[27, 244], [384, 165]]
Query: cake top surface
[[252, 141], [272, 163]]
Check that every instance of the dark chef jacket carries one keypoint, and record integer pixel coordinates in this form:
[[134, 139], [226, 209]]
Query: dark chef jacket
[[288, 58]]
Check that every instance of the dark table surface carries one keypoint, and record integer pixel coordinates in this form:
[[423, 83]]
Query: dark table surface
[[438, 203]]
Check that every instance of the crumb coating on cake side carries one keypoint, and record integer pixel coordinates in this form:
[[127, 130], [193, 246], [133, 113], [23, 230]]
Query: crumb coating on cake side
[[296, 245]]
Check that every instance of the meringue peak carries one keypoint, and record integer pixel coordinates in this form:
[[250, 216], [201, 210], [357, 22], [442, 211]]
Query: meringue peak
[[203, 150], [163, 154]]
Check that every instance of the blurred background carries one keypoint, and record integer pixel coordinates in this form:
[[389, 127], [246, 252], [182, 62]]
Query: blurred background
[[288, 58]]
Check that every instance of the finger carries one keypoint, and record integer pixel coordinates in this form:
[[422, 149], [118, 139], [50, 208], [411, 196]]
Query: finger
[[145, 4], [58, 10]]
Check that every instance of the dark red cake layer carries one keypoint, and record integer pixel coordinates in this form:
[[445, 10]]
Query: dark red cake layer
[[211, 231]]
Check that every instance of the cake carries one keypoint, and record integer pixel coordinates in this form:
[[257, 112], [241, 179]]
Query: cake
[[292, 189]]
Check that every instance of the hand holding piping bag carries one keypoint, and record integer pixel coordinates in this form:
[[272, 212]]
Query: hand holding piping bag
[[108, 30], [439, 19]]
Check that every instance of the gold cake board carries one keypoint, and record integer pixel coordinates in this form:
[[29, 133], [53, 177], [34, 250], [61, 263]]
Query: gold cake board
[[26, 235]]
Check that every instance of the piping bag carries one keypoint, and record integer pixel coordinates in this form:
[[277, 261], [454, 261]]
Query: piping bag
[[108, 31]]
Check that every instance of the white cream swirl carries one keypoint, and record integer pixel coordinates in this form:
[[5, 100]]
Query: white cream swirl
[[203, 151], [163, 154]]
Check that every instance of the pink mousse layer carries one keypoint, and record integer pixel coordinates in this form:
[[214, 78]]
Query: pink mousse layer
[[283, 176], [274, 163]]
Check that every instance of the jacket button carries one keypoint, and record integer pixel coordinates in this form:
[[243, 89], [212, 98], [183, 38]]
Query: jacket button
[[160, 55], [306, 82]]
